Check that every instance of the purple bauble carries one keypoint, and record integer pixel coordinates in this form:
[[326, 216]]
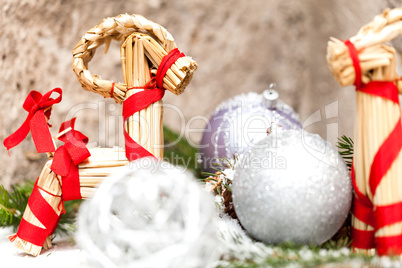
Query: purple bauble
[[240, 122]]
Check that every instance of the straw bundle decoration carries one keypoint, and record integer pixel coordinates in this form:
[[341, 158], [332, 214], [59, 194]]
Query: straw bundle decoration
[[46, 203], [119, 28], [373, 54], [48, 186], [145, 47], [151, 63], [145, 126], [102, 163], [365, 61]]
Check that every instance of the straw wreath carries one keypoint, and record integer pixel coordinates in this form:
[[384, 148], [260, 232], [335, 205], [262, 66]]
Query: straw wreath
[[119, 28]]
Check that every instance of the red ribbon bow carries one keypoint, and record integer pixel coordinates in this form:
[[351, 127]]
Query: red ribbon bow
[[39, 108], [67, 157]]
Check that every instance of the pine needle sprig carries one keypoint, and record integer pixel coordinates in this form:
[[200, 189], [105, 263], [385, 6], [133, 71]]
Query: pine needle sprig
[[14, 202], [6, 213], [345, 146], [219, 180]]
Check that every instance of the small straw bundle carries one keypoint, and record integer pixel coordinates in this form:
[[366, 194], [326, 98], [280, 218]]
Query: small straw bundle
[[50, 189], [369, 42], [102, 163], [341, 66], [145, 126], [376, 117]]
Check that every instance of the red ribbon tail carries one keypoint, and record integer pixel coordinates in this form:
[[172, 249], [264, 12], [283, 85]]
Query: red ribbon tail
[[36, 105], [134, 151], [18, 136], [133, 104], [77, 151], [61, 162], [41, 134], [12, 237], [71, 184]]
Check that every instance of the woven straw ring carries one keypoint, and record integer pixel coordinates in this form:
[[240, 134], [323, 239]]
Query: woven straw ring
[[119, 28]]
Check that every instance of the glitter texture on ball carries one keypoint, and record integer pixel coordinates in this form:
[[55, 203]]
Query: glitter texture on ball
[[242, 121], [292, 186], [150, 214]]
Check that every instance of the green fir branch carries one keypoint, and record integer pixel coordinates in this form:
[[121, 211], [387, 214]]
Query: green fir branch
[[14, 202], [6, 213], [345, 146], [288, 254]]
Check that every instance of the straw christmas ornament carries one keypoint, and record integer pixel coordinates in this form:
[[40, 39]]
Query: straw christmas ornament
[[159, 44], [45, 201], [365, 61], [151, 63]]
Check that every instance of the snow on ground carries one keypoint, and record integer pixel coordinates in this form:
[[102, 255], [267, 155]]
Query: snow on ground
[[63, 254]]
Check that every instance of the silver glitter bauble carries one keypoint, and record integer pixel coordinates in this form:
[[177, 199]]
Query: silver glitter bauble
[[149, 214], [292, 186], [240, 122]]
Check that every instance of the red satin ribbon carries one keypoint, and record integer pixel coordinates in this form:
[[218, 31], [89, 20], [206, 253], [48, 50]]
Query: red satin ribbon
[[390, 245], [44, 213], [166, 63], [133, 104], [66, 160], [65, 163], [39, 108], [31, 233], [362, 239], [152, 93], [363, 209]]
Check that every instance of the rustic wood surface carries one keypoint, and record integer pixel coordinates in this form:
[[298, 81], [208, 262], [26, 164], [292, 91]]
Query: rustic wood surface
[[238, 50]]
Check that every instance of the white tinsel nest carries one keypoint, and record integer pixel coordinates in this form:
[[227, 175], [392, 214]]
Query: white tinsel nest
[[150, 214]]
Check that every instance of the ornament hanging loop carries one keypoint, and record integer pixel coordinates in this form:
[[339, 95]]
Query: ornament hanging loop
[[270, 97]]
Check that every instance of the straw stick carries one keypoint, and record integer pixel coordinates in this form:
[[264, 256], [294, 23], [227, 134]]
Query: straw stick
[[87, 192], [102, 163], [140, 81], [146, 124]]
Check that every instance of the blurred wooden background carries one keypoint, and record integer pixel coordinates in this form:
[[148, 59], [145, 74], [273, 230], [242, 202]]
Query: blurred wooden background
[[240, 46]]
